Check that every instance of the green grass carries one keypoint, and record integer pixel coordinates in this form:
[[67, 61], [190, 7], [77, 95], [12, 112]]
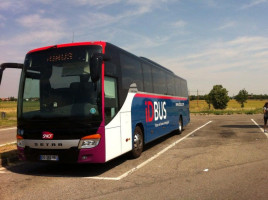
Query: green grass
[[10, 108], [31, 106], [251, 107]]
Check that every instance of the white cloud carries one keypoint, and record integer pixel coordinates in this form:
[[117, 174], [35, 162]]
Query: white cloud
[[38, 30], [35, 21], [2, 21], [179, 24], [253, 3], [15, 6], [5, 5], [137, 8], [210, 3], [142, 42], [227, 25], [99, 3], [45, 1], [35, 37], [235, 64], [145, 6]]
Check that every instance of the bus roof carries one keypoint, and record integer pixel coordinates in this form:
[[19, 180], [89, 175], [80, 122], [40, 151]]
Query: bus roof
[[69, 45]]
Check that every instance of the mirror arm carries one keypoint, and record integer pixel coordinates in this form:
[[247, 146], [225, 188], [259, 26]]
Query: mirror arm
[[3, 66], [11, 65]]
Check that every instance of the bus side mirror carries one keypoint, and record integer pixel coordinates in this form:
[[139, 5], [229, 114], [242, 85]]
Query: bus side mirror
[[95, 65], [9, 65]]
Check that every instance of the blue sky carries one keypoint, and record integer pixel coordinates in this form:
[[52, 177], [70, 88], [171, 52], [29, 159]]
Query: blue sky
[[207, 42]]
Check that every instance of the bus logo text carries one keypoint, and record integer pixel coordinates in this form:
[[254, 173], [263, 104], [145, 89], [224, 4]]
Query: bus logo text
[[47, 135], [155, 110]]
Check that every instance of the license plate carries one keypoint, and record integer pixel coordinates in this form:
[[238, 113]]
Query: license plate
[[49, 157]]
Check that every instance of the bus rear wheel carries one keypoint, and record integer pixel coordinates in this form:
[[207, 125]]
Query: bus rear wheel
[[137, 142]]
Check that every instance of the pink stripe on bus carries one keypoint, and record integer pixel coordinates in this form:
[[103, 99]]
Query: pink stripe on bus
[[139, 95]]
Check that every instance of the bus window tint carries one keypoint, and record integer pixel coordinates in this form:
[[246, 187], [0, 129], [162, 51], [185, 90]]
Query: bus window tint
[[131, 72], [159, 80], [111, 104], [147, 78], [184, 88], [170, 85], [178, 87]]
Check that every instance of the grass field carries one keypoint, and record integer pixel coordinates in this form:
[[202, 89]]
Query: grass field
[[10, 110], [251, 107]]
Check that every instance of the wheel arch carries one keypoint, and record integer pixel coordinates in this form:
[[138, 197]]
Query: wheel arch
[[142, 128]]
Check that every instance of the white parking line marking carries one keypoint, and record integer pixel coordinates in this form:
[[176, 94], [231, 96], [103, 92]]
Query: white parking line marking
[[149, 160], [259, 127], [5, 129]]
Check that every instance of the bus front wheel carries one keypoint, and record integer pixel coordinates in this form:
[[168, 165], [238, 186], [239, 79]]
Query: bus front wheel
[[137, 142]]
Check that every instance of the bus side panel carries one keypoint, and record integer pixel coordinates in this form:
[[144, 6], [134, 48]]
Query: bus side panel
[[159, 115], [118, 133], [186, 113]]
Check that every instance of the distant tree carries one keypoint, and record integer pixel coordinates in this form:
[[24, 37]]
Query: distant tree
[[258, 96], [192, 97], [219, 97], [242, 97], [208, 99], [12, 99]]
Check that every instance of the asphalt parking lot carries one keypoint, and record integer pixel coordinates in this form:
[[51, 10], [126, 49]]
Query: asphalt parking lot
[[216, 157]]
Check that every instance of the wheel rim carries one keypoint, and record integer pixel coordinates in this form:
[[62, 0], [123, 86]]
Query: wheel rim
[[180, 125]]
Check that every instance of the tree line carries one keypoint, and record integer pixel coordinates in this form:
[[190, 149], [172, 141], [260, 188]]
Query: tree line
[[250, 96], [8, 99], [218, 97]]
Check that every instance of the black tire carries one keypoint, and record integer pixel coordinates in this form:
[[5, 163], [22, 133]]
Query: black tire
[[137, 142], [180, 129]]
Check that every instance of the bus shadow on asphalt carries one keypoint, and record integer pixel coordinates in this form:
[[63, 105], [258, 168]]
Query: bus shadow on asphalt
[[83, 170], [8, 157], [64, 169]]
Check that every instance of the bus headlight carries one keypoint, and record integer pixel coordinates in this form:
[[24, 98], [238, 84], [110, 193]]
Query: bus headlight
[[89, 141]]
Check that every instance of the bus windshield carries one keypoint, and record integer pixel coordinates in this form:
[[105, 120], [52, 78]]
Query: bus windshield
[[56, 83]]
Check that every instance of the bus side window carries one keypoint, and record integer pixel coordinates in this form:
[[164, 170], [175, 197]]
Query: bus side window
[[147, 78], [31, 98], [111, 100], [159, 81], [184, 88], [178, 87], [170, 84], [131, 72]]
